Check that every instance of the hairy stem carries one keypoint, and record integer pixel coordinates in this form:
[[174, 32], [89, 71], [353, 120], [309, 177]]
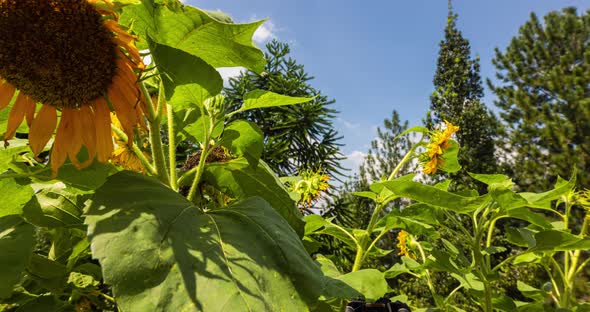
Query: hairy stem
[[155, 137], [171, 148]]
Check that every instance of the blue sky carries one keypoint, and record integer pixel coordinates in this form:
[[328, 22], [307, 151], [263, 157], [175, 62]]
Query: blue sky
[[377, 56]]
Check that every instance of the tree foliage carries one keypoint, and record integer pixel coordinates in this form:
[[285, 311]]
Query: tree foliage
[[543, 92], [295, 137], [457, 99]]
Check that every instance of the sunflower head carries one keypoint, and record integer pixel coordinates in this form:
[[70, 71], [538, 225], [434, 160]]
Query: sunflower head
[[432, 158], [76, 64], [310, 185]]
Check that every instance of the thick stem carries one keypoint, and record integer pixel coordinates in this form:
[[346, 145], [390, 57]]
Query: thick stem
[[171, 148], [136, 150], [155, 137], [358, 259]]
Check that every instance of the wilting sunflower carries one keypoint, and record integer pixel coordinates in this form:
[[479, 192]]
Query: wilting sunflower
[[76, 62]]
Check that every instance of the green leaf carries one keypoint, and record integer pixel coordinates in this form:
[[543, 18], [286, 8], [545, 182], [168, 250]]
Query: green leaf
[[161, 253], [334, 287], [544, 199], [14, 198], [532, 217], [369, 282], [369, 195], [188, 80], [264, 99], [522, 237], [315, 224], [46, 303], [433, 196], [195, 32], [553, 240], [451, 158], [244, 138], [50, 274], [489, 179], [54, 206], [503, 303], [16, 243], [531, 292], [237, 178], [8, 154]]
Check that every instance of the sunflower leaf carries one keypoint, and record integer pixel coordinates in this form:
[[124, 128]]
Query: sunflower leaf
[[161, 253], [194, 31]]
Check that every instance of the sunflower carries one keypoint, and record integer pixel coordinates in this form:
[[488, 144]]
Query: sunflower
[[439, 143], [68, 60]]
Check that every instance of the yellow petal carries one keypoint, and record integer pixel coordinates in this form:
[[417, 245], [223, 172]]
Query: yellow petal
[[6, 94], [17, 114], [59, 152], [104, 141], [42, 128]]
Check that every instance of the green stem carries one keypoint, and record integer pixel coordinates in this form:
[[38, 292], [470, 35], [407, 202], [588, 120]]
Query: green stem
[[23, 175], [404, 160], [428, 278], [358, 259], [171, 148], [155, 137], [200, 168], [481, 267]]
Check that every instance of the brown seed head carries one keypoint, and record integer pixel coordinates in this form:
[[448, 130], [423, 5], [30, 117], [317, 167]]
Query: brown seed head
[[56, 51]]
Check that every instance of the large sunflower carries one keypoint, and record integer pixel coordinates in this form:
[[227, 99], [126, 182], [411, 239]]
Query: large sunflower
[[76, 62]]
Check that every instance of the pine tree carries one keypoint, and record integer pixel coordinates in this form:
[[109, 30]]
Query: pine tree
[[296, 137], [457, 99], [544, 97]]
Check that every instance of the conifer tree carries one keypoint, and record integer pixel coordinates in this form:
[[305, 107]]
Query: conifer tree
[[296, 137], [543, 92], [457, 99]]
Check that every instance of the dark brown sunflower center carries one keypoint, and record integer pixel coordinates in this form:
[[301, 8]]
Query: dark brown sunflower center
[[56, 51]]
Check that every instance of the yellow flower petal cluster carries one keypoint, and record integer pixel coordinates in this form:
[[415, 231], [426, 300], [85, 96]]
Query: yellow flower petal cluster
[[67, 61], [439, 143], [311, 186], [402, 240]]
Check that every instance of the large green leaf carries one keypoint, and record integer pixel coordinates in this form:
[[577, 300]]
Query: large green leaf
[[451, 158], [244, 138], [435, 197], [237, 178], [264, 99], [14, 197], [188, 80], [368, 282], [315, 224], [193, 31], [16, 243], [161, 253], [539, 200]]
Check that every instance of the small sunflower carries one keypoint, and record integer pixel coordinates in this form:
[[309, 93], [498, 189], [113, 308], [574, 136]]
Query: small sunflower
[[310, 186], [123, 155], [78, 64], [402, 245], [439, 143]]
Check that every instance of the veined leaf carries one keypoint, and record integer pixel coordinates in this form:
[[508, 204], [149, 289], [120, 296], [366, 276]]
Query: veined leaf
[[264, 99], [16, 243], [315, 224], [237, 178], [435, 197], [161, 253], [451, 158], [188, 80], [192, 30], [244, 138]]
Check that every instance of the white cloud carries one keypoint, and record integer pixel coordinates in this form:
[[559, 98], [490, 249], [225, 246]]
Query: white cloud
[[348, 125], [230, 72], [264, 33], [353, 161]]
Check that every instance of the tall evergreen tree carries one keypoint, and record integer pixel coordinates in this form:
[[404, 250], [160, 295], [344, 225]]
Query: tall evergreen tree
[[297, 137], [457, 99], [543, 93]]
